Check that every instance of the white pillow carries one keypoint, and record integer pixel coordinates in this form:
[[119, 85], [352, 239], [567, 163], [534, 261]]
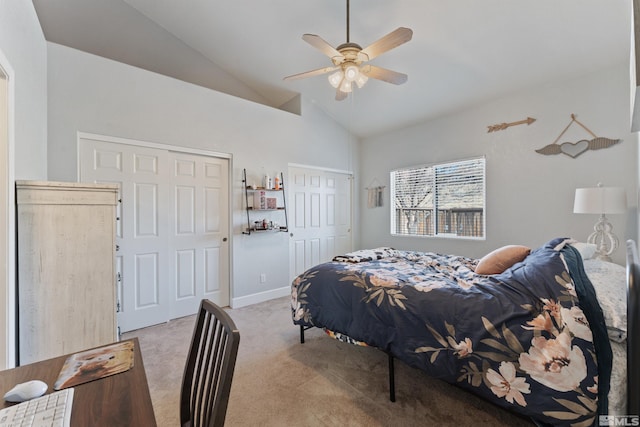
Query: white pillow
[[610, 283], [587, 250]]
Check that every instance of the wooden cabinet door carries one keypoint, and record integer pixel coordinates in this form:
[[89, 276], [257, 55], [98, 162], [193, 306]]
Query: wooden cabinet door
[[66, 279]]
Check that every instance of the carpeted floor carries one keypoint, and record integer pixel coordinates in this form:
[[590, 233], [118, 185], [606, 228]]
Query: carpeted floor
[[280, 382]]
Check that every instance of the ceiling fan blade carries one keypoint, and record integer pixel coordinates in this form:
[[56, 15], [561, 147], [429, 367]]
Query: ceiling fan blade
[[340, 95], [388, 42], [311, 73], [320, 44], [384, 74]]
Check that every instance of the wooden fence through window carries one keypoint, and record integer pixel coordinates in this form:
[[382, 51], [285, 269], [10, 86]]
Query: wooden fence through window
[[457, 222]]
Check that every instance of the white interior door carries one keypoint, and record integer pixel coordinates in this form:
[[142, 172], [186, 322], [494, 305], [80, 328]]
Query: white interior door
[[320, 212], [173, 218], [142, 258], [198, 239]]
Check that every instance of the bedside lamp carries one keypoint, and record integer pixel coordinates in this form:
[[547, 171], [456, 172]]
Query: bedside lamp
[[601, 200]]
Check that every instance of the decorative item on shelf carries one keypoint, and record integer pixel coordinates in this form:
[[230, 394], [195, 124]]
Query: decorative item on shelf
[[601, 200], [503, 126], [260, 199], [574, 149]]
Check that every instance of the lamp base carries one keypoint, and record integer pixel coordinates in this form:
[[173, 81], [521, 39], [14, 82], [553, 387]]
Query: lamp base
[[606, 242]]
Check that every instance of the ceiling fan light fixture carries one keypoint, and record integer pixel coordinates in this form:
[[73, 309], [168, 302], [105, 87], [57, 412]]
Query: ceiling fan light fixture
[[335, 79], [361, 80], [348, 59], [345, 86], [351, 72]]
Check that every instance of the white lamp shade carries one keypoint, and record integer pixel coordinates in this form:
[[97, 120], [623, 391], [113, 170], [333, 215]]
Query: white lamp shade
[[345, 86], [351, 73], [336, 78], [361, 80], [600, 200]]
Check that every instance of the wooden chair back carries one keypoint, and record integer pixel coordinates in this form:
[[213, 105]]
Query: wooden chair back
[[209, 368]]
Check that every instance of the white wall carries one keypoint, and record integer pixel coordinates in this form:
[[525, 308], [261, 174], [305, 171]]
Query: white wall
[[22, 44], [23, 57], [91, 94], [529, 195]]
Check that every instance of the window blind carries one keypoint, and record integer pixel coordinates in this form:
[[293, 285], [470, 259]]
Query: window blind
[[460, 185], [446, 199], [413, 188]]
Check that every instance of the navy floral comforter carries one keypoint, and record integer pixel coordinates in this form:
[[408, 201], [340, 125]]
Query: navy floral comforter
[[528, 339]]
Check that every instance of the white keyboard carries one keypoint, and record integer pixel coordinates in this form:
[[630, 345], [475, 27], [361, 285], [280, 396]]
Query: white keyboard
[[50, 410]]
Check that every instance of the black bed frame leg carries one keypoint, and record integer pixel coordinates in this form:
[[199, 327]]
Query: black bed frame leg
[[392, 381]]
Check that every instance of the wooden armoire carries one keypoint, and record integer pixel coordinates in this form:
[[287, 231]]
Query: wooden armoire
[[66, 267]]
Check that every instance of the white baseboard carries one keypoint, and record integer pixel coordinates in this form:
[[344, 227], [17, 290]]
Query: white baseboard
[[260, 297]]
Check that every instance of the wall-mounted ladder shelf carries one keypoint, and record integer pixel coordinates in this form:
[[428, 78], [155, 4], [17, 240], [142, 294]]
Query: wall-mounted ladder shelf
[[266, 207]]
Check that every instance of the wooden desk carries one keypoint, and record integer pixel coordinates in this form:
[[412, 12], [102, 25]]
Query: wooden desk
[[118, 400]]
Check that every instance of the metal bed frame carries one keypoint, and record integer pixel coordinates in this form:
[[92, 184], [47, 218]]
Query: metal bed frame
[[633, 329], [392, 380]]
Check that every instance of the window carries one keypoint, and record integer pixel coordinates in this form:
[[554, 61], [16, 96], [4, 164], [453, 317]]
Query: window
[[444, 200]]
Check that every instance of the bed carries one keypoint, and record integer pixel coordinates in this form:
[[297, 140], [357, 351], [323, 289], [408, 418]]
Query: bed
[[544, 335]]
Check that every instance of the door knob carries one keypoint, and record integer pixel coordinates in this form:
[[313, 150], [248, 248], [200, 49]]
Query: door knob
[[224, 239]]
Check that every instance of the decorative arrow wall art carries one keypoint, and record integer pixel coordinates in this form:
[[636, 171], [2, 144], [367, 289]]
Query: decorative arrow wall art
[[503, 126], [574, 149]]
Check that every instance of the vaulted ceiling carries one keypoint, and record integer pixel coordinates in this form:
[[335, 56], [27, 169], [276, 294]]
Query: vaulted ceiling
[[462, 53]]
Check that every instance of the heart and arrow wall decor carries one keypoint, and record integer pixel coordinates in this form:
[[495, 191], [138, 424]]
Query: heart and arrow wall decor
[[503, 126], [574, 149]]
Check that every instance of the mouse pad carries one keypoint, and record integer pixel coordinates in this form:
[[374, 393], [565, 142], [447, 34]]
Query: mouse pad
[[85, 366]]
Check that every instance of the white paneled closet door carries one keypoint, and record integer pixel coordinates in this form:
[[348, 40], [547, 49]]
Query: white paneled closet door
[[173, 228], [198, 239], [320, 212]]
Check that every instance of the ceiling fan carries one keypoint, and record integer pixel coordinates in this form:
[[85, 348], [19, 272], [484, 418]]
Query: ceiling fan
[[349, 61]]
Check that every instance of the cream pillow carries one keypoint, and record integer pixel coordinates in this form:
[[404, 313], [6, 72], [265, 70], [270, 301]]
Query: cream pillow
[[499, 260]]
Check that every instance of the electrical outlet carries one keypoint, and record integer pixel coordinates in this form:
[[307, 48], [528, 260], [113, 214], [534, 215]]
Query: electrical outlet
[[263, 277]]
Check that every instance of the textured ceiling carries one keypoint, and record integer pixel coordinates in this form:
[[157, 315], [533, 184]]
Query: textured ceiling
[[462, 53]]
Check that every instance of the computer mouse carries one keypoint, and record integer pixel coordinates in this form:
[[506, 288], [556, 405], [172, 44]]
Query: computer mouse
[[26, 391]]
